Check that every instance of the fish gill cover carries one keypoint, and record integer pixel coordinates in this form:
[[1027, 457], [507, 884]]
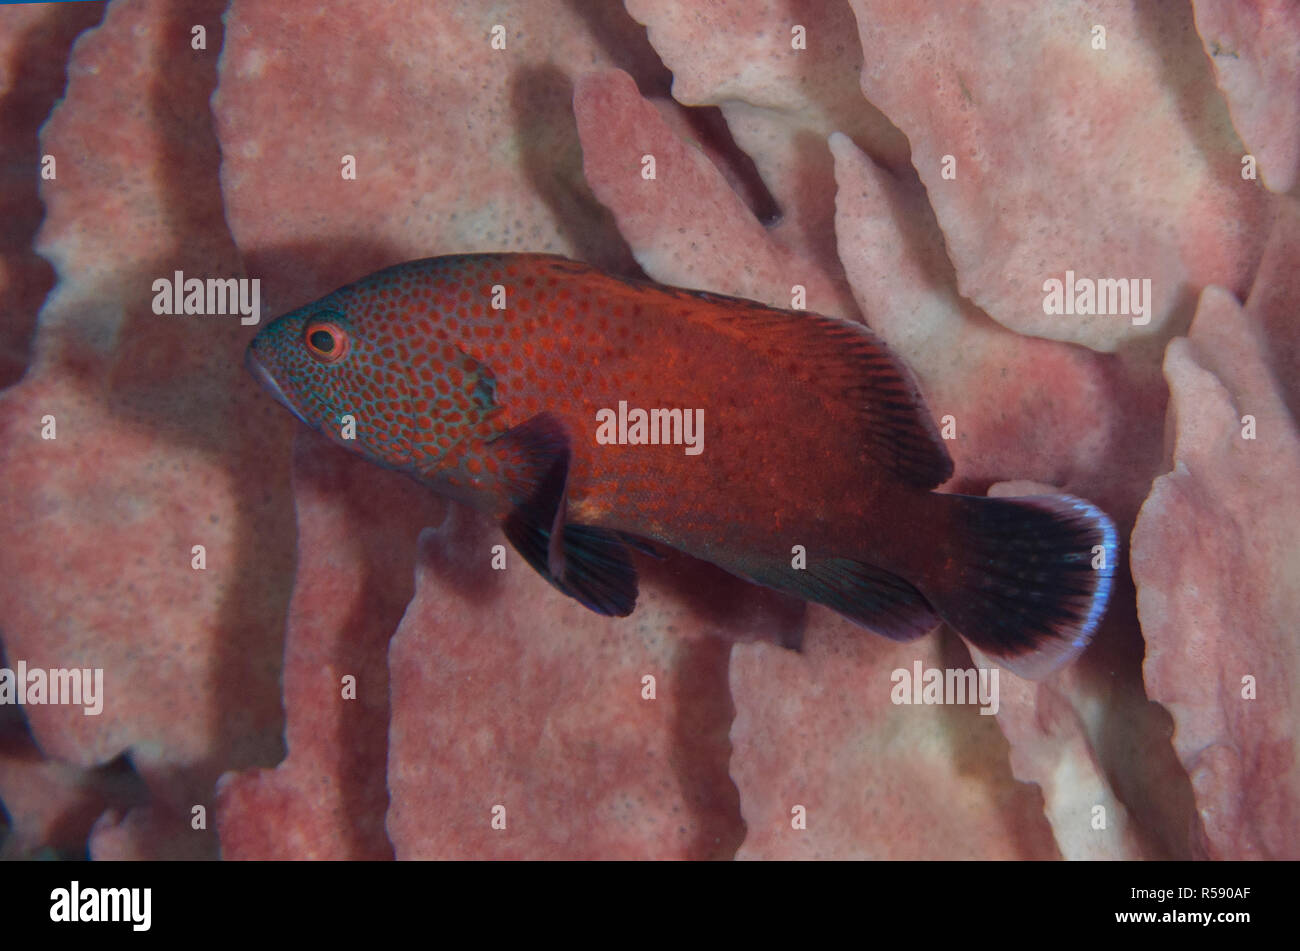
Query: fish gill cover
[[1076, 225]]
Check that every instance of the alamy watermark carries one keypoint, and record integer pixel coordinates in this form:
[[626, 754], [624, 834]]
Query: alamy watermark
[[1108, 297], [655, 427], [77, 904], [60, 686], [950, 685], [213, 297]]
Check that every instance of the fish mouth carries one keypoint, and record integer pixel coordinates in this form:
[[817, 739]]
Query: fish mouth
[[263, 376]]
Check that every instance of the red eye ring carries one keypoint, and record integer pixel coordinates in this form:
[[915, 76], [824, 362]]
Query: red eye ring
[[326, 340]]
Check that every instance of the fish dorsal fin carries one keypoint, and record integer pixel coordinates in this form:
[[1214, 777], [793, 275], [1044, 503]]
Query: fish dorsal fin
[[845, 360]]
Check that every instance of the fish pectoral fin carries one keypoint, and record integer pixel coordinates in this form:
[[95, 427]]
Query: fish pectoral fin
[[590, 565], [534, 463], [866, 595]]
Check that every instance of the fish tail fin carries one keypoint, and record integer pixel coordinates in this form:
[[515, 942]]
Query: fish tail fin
[[1026, 580]]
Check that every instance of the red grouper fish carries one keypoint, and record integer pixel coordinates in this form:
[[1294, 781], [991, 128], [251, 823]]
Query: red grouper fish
[[586, 412]]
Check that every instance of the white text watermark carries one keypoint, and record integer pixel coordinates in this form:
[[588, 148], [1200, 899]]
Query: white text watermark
[[656, 427], [952, 685], [74, 686]]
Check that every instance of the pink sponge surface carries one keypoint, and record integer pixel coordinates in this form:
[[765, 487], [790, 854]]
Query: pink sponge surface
[[1218, 568]]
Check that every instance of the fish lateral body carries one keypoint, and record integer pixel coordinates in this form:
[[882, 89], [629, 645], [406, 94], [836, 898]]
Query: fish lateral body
[[588, 413]]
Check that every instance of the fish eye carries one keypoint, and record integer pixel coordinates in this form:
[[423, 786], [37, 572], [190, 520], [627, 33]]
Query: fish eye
[[326, 340]]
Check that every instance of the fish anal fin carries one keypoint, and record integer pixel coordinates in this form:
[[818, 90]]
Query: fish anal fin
[[866, 595]]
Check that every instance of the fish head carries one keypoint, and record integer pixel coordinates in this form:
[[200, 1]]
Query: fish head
[[333, 364]]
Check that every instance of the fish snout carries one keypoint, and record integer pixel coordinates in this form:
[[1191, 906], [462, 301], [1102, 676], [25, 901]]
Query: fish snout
[[263, 376]]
